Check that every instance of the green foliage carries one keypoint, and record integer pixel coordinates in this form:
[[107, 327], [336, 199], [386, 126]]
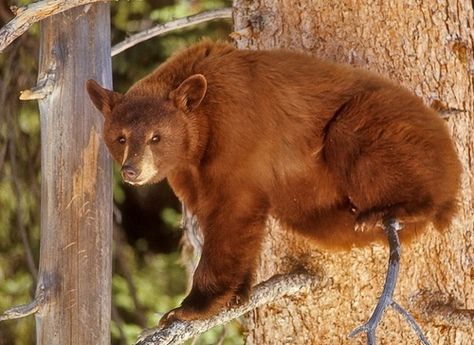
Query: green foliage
[[145, 283], [171, 217], [130, 17], [19, 185]]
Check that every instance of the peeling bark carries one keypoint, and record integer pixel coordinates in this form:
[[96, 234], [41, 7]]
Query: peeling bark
[[428, 47]]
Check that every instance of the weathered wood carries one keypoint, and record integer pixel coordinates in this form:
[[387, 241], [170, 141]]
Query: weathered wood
[[26, 16], [428, 47], [76, 200]]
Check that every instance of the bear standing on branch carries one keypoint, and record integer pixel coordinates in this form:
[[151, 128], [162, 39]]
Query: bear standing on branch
[[336, 153]]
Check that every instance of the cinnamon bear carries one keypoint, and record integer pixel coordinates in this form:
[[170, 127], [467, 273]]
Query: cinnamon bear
[[327, 149]]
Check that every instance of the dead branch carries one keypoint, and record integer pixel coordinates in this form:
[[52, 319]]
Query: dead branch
[[170, 26], [43, 87], [266, 292], [445, 315], [26, 16], [24, 310], [33, 13], [441, 310], [20, 311]]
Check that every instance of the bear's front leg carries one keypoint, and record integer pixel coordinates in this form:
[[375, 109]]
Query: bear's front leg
[[232, 241]]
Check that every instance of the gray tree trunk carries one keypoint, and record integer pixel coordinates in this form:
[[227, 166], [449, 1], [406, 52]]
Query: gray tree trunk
[[428, 47], [76, 202]]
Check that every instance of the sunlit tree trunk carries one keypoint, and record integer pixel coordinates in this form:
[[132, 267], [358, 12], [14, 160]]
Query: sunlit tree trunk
[[428, 47], [76, 201]]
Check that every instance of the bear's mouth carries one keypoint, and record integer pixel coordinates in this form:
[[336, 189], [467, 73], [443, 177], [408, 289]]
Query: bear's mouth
[[138, 182]]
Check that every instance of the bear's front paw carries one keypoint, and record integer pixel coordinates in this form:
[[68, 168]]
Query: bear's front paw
[[175, 315], [237, 300], [242, 293]]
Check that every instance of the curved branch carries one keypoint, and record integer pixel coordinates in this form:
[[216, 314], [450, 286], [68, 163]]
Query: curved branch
[[33, 13], [24, 310], [161, 29], [266, 292]]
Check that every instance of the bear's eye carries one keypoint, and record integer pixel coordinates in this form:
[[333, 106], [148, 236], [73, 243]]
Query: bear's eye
[[155, 139], [121, 140]]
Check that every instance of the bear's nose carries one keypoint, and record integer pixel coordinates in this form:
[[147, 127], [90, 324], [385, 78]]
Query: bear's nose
[[129, 173]]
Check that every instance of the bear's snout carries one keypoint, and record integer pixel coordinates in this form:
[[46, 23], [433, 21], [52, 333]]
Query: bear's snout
[[130, 173]]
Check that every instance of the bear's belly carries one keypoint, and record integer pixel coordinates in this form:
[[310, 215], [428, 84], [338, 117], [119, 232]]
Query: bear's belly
[[299, 201]]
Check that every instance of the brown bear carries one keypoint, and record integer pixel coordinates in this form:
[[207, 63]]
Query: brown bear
[[327, 149]]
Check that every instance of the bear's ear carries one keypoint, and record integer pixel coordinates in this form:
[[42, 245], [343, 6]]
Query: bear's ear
[[190, 93], [103, 99]]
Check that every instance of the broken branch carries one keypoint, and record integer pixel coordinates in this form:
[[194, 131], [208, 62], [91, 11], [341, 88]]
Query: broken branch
[[28, 15], [439, 309], [445, 315], [20, 311], [266, 292], [161, 29], [24, 310], [43, 88]]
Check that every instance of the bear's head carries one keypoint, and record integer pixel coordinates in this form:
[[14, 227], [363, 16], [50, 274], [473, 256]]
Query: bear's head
[[149, 136]]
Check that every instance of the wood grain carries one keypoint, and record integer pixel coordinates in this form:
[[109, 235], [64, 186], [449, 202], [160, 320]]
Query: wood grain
[[76, 201]]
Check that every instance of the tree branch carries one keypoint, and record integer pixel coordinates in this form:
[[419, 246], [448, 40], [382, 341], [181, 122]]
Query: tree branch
[[20, 311], [266, 292], [26, 16], [24, 310], [161, 29], [441, 310], [43, 87]]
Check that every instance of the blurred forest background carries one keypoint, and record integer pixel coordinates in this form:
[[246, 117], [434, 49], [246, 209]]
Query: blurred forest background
[[148, 277]]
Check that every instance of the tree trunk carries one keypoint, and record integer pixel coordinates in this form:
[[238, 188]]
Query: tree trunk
[[76, 201], [427, 47]]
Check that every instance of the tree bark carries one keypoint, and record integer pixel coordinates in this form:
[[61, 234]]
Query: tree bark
[[76, 202], [427, 47]]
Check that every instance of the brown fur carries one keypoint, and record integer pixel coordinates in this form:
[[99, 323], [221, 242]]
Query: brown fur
[[328, 149]]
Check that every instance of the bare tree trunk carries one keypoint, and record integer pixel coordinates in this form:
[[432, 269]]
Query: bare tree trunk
[[428, 47], [76, 202]]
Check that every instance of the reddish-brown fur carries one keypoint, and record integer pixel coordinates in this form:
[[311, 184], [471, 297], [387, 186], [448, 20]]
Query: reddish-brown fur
[[326, 148]]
